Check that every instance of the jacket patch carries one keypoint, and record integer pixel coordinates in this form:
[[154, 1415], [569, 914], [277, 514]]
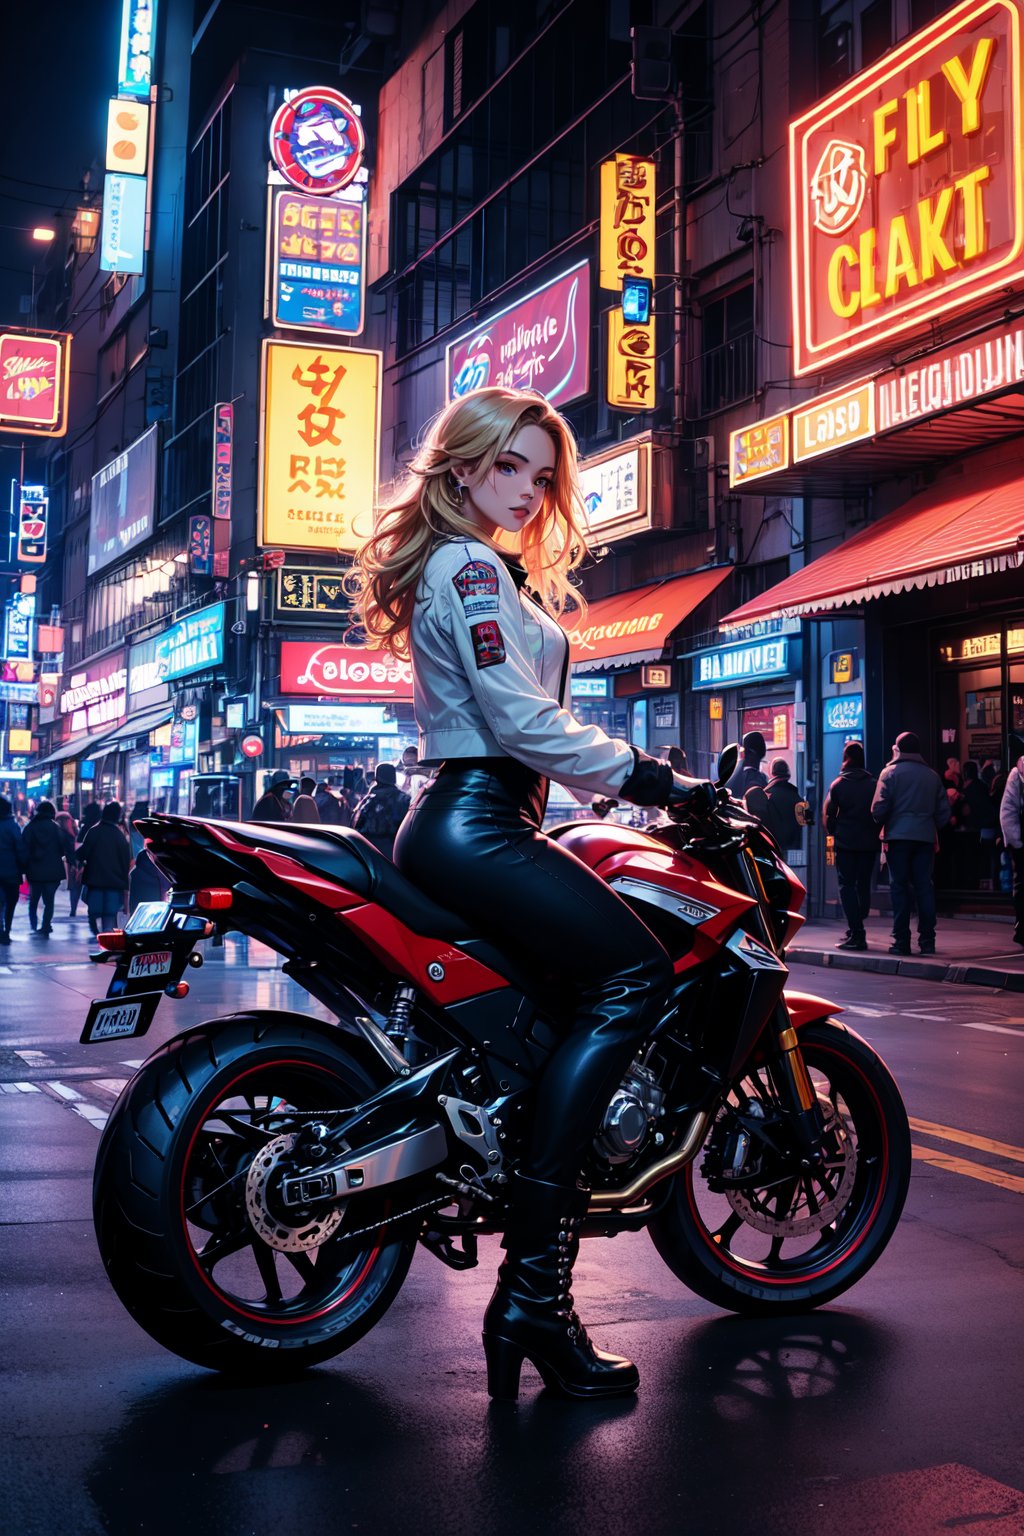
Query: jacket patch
[[477, 586], [488, 646]]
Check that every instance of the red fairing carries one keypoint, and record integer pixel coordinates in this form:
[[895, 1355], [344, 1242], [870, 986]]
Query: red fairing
[[805, 1008], [594, 841], [408, 954]]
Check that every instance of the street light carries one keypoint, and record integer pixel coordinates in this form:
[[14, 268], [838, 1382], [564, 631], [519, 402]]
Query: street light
[[85, 229], [43, 234]]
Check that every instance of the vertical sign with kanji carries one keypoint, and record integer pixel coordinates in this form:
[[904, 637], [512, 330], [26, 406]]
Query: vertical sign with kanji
[[223, 448], [632, 364], [320, 425], [627, 219]]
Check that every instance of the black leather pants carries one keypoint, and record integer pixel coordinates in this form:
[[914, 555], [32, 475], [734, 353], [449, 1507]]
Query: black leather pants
[[473, 842]]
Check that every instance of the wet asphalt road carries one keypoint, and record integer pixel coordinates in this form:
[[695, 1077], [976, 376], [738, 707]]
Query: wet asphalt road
[[897, 1410]]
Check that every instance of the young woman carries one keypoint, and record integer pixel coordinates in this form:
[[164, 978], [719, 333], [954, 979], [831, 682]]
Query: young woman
[[465, 574]]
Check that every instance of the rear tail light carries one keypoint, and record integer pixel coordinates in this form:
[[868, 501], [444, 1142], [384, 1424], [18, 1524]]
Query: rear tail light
[[113, 940], [214, 900]]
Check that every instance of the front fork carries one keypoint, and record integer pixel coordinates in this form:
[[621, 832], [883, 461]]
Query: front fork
[[793, 1083]]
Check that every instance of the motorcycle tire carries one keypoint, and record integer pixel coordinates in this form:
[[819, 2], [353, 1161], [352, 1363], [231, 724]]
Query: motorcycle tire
[[792, 1243], [176, 1233]]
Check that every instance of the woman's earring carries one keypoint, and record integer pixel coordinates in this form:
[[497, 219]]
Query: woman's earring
[[458, 488]]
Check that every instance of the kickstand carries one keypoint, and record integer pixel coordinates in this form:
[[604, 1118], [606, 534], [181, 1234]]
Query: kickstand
[[442, 1246]]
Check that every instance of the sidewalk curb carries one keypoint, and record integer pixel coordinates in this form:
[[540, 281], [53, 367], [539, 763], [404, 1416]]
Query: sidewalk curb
[[964, 973]]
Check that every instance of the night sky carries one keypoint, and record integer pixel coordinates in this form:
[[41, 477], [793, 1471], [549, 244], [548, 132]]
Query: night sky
[[58, 69]]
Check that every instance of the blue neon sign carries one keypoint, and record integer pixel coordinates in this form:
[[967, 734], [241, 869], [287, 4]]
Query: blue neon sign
[[193, 644], [138, 40]]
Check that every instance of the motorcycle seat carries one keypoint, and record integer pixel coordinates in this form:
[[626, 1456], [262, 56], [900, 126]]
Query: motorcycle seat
[[351, 859]]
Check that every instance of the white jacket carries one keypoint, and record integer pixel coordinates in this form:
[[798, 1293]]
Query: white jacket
[[491, 675], [1011, 807]]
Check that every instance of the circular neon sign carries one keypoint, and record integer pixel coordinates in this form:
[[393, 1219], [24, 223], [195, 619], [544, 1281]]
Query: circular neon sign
[[317, 140]]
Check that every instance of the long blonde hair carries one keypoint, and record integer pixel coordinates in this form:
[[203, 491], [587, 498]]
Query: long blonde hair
[[427, 506]]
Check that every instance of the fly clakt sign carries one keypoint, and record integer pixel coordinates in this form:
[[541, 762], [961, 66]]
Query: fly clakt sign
[[906, 187]]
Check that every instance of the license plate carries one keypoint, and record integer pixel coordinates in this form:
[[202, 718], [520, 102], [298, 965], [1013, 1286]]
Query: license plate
[[152, 962], [119, 1018], [149, 917]]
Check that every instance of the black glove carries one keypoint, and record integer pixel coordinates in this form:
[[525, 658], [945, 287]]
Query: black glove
[[650, 782], [691, 794]]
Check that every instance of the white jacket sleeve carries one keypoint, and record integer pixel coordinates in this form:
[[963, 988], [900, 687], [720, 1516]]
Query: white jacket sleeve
[[480, 609]]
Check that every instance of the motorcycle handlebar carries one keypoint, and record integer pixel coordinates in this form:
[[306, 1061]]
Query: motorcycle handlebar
[[692, 795]]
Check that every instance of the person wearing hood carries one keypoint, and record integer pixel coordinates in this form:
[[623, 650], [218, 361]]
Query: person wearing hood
[[12, 867], [775, 806], [748, 774], [46, 848], [911, 807], [848, 821], [106, 857], [1011, 824]]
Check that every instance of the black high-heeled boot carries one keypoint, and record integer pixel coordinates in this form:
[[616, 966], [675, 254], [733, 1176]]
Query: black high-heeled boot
[[531, 1313]]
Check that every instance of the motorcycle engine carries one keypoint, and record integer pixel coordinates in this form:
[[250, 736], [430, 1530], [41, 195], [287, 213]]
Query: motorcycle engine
[[630, 1117]]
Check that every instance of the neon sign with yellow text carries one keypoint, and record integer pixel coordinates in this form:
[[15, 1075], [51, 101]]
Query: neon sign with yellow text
[[906, 186]]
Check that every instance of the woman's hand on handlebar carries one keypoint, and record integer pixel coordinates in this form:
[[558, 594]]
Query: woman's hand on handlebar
[[696, 795]]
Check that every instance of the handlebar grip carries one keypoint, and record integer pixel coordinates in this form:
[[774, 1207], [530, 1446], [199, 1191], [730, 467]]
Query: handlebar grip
[[692, 795]]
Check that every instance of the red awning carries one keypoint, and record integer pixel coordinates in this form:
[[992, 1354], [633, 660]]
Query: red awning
[[634, 626], [935, 539]]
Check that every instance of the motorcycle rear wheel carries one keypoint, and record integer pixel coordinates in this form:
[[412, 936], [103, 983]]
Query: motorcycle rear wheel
[[790, 1242], [175, 1231]]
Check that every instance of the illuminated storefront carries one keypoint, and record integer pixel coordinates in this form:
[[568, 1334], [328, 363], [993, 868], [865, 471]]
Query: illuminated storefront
[[340, 706], [907, 272]]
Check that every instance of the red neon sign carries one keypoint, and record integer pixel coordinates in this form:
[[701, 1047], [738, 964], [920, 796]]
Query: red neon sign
[[317, 140], [34, 383], [907, 186]]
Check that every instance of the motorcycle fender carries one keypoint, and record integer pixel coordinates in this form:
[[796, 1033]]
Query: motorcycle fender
[[804, 1008]]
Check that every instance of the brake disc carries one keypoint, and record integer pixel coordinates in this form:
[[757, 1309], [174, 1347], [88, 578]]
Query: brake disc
[[287, 1231], [842, 1161]]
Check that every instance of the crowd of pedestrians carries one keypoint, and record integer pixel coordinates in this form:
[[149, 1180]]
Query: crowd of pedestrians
[[102, 860], [372, 800]]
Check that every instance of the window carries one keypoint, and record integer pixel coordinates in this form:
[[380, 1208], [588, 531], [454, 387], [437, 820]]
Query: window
[[854, 33], [726, 362]]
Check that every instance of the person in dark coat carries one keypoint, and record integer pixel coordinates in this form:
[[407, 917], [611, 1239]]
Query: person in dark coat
[[382, 810], [748, 774], [46, 848], [12, 867], [146, 882], [775, 806], [911, 807], [982, 821], [848, 821], [106, 858], [273, 804], [333, 811]]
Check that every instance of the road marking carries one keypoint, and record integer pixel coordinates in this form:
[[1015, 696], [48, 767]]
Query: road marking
[[969, 1170], [64, 1091], [933, 1018], [112, 1085], [35, 1059], [98, 1117], [991, 1029], [21, 1087], [967, 1139]]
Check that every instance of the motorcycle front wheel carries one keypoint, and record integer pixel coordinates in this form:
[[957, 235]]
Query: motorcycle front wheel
[[750, 1229], [184, 1212]]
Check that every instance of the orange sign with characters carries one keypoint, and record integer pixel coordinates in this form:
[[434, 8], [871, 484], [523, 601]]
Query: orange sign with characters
[[318, 445], [627, 219], [907, 186]]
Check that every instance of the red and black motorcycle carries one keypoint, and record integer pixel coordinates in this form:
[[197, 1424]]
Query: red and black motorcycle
[[264, 1178]]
